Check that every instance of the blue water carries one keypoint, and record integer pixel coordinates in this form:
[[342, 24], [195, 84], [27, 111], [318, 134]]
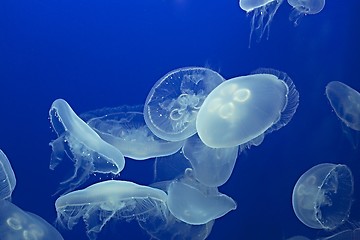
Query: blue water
[[98, 54]]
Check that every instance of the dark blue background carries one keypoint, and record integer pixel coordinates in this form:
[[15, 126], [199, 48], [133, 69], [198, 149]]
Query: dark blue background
[[109, 53]]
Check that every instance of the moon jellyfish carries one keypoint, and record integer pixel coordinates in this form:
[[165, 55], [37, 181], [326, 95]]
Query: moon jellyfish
[[346, 103], [304, 7], [7, 177], [20, 225], [322, 196], [173, 102], [125, 129], [263, 12], [195, 203], [298, 238], [83, 146], [111, 200], [240, 111], [211, 166]]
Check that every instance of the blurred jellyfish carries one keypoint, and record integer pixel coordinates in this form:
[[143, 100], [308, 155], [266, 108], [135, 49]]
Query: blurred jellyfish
[[212, 166], [322, 196], [195, 203], [7, 177], [125, 129], [298, 238], [83, 146], [240, 111], [263, 12], [304, 7], [173, 102], [16, 224]]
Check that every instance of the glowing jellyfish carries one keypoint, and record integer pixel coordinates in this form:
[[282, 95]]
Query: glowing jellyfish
[[346, 103], [82, 144], [263, 12], [240, 111], [109, 199], [304, 7], [195, 203], [125, 129], [7, 177], [211, 166], [16, 224], [322, 196], [172, 104]]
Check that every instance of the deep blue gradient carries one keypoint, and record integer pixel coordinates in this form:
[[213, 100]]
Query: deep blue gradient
[[98, 54]]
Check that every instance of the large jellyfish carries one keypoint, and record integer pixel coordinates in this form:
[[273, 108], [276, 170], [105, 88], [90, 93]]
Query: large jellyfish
[[83, 146], [7, 177], [346, 103], [173, 102], [211, 166], [16, 224], [125, 128], [304, 7], [240, 111], [322, 196], [263, 12]]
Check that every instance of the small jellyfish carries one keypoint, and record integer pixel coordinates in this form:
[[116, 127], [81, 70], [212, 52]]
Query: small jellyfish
[[195, 203], [173, 102], [298, 238], [322, 196], [346, 103], [304, 7], [211, 166], [240, 111], [7, 177], [125, 129], [21, 225], [83, 146], [263, 12], [110, 199]]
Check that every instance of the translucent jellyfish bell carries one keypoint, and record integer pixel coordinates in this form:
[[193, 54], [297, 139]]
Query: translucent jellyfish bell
[[172, 104], [7, 177], [304, 7], [322, 196], [82, 144], [240, 111], [346, 103], [16, 224], [263, 12]]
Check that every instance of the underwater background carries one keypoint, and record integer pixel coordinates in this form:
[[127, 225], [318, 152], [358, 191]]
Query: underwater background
[[97, 54]]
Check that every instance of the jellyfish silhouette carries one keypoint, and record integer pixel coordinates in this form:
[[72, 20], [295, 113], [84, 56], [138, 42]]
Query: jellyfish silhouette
[[304, 7], [263, 11], [7, 177]]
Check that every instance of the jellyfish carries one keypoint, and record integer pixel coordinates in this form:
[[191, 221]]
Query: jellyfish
[[7, 177], [110, 199], [344, 235], [322, 196], [211, 166], [196, 204], [21, 225], [298, 238], [241, 110], [173, 102], [125, 129], [304, 7], [346, 103], [82, 144], [263, 12]]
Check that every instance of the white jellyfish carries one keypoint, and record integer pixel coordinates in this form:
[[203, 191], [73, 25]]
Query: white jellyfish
[[173, 102], [83, 146], [240, 111], [263, 12], [304, 7], [7, 177]]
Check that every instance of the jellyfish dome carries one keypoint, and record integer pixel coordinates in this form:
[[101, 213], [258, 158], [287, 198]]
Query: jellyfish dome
[[7, 177], [263, 12], [240, 111], [304, 7], [322, 196], [346, 103], [172, 104]]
